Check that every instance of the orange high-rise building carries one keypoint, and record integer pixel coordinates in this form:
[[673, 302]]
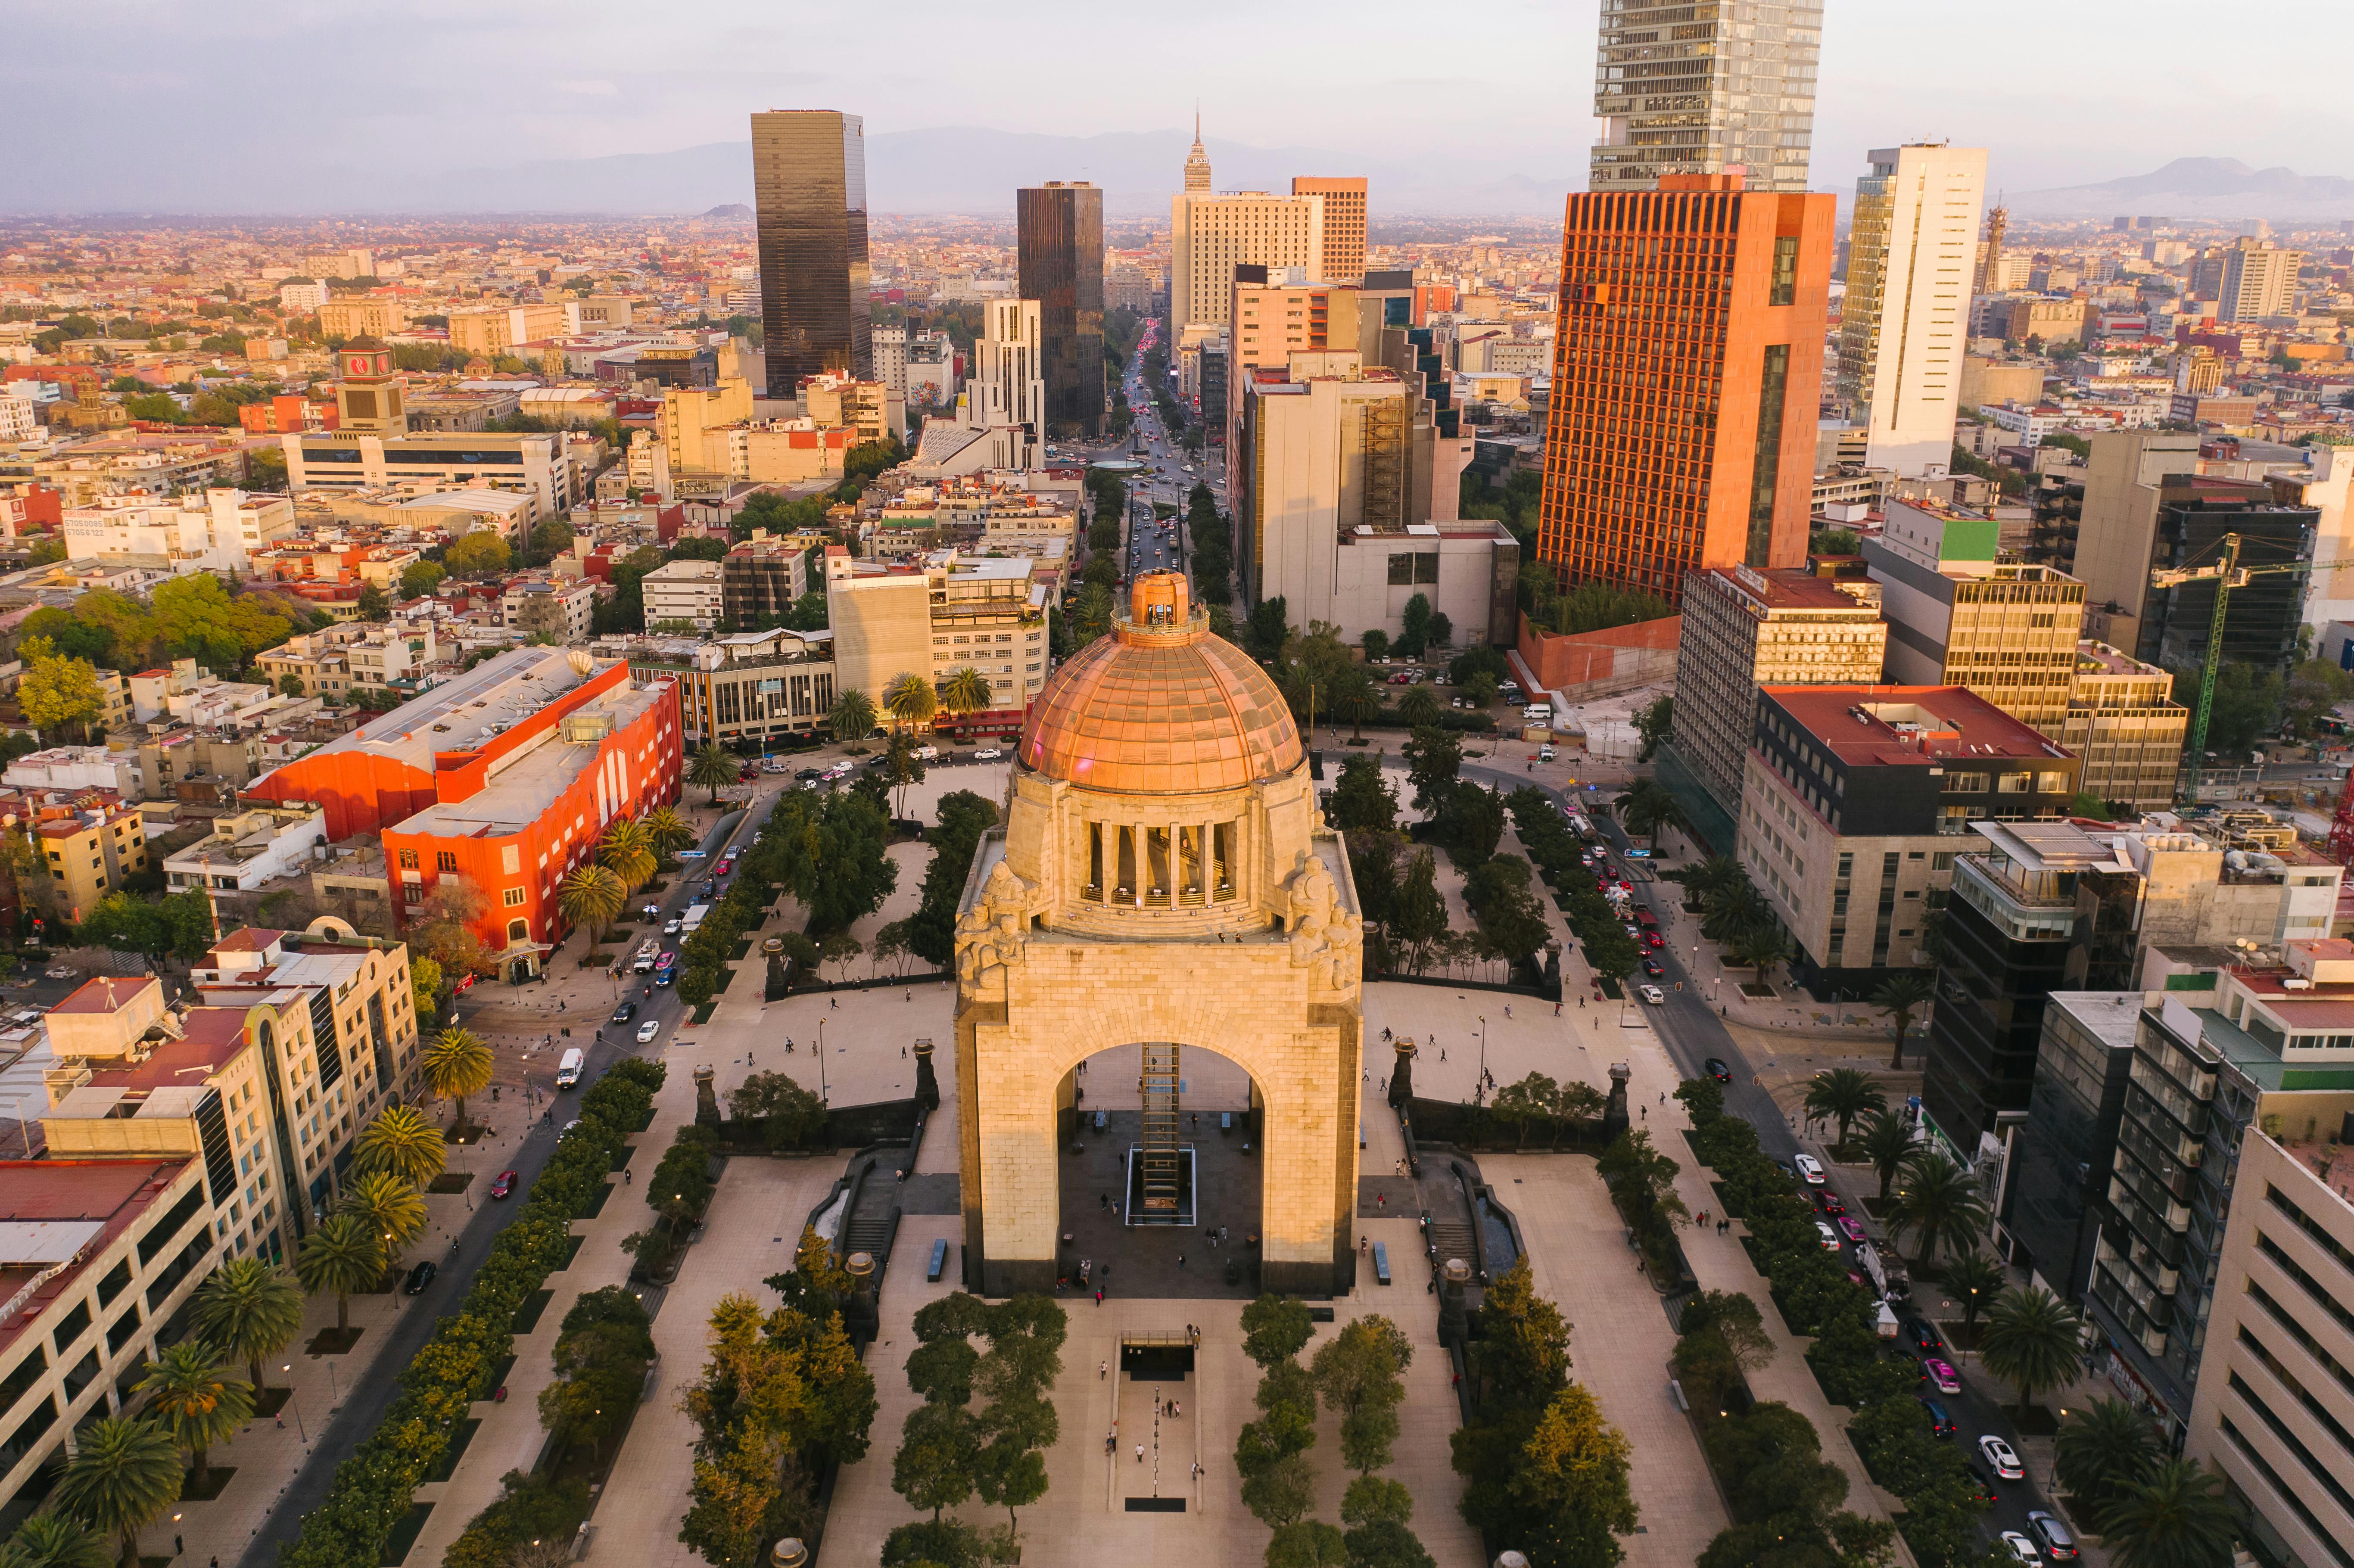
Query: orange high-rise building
[[1343, 260], [1687, 369]]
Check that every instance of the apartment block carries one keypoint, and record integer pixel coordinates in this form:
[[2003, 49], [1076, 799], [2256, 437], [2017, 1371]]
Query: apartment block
[[763, 577], [683, 593], [1210, 235], [353, 314], [503, 329], [747, 687], [90, 853], [2060, 1155], [1904, 321], [1855, 802], [560, 607], [1958, 618], [1343, 258], [1681, 433], [2259, 281], [1059, 264], [2124, 722], [1743, 629], [935, 615]]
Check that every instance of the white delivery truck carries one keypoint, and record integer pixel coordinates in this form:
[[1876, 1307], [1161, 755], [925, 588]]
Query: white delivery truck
[[567, 1072], [648, 951], [693, 918]]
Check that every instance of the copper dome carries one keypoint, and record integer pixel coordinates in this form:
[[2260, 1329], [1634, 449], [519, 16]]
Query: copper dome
[[1161, 707]]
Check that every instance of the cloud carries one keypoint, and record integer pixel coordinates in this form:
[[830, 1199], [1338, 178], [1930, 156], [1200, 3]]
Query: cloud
[[596, 87]]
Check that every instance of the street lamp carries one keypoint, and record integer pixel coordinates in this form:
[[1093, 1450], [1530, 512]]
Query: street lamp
[[1482, 1084], [335, 1397], [287, 1368]]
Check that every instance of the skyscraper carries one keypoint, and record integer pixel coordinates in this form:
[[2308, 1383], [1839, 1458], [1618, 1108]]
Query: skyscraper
[[1006, 388], [1343, 260], [1906, 321], [1210, 235], [809, 176], [1060, 265], [1197, 162], [1687, 366], [2259, 281], [1705, 87]]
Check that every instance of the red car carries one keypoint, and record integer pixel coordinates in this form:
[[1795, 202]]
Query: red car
[[504, 1186], [727, 865], [1828, 1202], [1656, 940]]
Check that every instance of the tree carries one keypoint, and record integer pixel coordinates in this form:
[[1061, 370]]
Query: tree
[[1413, 626], [2102, 1453], [1646, 807], [197, 1402], [1268, 630], [54, 1541], [1887, 1144], [458, 1064], [1574, 1473], [601, 1355], [123, 1474], [248, 1308], [1420, 920], [425, 988], [665, 831], [1940, 1204], [713, 770], [1306, 1543], [1376, 645], [1362, 801], [628, 852], [1354, 699], [420, 578], [852, 718], [1275, 1330], [400, 1143], [1975, 1280], [1433, 760], [374, 606], [480, 553], [1362, 1366], [1518, 1104], [1419, 707], [1758, 947], [1091, 613], [1901, 995], [964, 691], [2177, 1517], [1652, 722], [901, 767], [60, 694], [2033, 1341], [591, 898], [1842, 1095], [1522, 1354], [1733, 1318], [958, 822], [934, 1466], [910, 699], [393, 1210], [789, 1114]]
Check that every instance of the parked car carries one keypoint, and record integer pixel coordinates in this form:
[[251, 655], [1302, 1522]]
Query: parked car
[[1829, 1236], [1715, 1068], [1810, 1170], [648, 1030], [624, 1013], [419, 1278], [2001, 1458], [1941, 1376], [2020, 1549], [1941, 1424], [503, 1184], [2059, 1541], [1849, 1228], [1654, 995]]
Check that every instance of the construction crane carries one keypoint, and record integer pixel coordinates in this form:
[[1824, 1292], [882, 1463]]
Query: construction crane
[[2226, 573]]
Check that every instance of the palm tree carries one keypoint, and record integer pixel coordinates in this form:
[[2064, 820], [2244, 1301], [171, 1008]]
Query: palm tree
[[393, 1209], [853, 717], [713, 769], [54, 1541], [1419, 707], [964, 691], [1940, 1204], [1759, 946], [1975, 1280], [400, 1143], [1735, 908], [124, 1473], [342, 1254], [1717, 874], [627, 851], [251, 1308], [2033, 1341], [1355, 702], [1841, 1096], [1646, 807], [591, 897], [2179, 1517], [1091, 612], [909, 699], [457, 1064], [1901, 995], [197, 1402], [2103, 1451], [1887, 1144], [665, 830]]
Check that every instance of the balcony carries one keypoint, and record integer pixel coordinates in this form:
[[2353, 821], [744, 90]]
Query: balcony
[[2028, 907]]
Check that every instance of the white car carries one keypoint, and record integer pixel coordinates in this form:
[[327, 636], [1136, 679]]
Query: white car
[[671, 927], [648, 1030], [1810, 1170], [2020, 1548], [1653, 995], [1829, 1236], [2000, 1458], [987, 754]]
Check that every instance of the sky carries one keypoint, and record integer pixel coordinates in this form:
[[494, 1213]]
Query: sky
[[135, 102]]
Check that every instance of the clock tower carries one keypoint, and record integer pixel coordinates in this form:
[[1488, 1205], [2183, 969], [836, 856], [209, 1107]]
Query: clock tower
[[368, 391]]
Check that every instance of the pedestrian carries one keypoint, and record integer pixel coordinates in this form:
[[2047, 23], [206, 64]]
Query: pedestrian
[[903, 1050], [1181, 1260], [1556, 1006], [1175, 1410], [1639, 1266], [1110, 1438], [1442, 1052], [1099, 1295], [179, 1546], [1139, 1452], [1581, 1004], [629, 1178], [1103, 1202], [1381, 1199], [834, 1002], [1663, 1099], [1508, 1010], [1103, 1370], [1646, 1110], [911, 996]]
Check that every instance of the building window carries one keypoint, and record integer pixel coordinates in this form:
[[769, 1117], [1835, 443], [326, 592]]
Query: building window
[[514, 896], [445, 860], [1784, 289], [518, 931]]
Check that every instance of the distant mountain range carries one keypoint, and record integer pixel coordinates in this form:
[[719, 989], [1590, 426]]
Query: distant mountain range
[[2199, 187]]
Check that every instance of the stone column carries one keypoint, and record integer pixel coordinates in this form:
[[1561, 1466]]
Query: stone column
[[927, 1086], [788, 1553], [1143, 853], [861, 1313], [1454, 1319], [1613, 1112], [706, 1100], [1401, 1075]]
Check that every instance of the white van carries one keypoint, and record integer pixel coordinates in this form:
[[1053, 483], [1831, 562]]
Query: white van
[[568, 1071]]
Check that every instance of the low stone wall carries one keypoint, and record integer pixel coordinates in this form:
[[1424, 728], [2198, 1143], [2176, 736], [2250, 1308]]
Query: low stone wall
[[1590, 664]]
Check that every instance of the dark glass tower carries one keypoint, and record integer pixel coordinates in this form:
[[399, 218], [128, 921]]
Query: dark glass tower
[[1061, 265], [809, 176]]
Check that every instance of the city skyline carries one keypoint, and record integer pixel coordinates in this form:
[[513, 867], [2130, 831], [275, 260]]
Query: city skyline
[[627, 88]]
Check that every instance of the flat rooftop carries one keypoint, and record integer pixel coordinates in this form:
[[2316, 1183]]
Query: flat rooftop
[[51, 1205], [521, 792], [506, 687], [1917, 725], [1787, 587]]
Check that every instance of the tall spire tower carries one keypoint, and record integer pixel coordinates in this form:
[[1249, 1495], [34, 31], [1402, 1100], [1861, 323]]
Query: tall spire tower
[[1197, 162]]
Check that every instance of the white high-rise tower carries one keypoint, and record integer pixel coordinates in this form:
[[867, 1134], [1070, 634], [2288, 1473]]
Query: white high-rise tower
[[1912, 253], [1008, 387]]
